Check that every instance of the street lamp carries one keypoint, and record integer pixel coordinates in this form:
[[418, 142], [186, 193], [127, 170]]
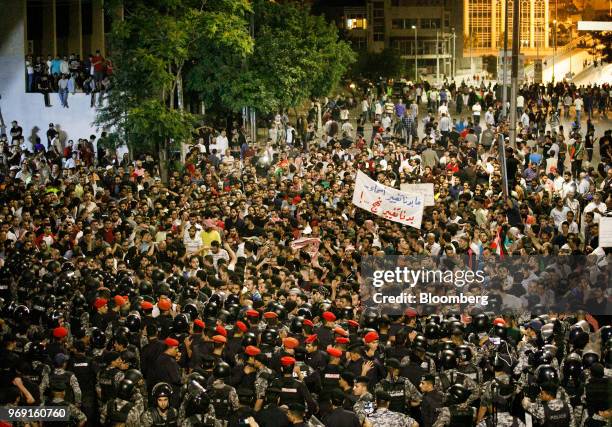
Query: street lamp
[[554, 48], [416, 73]]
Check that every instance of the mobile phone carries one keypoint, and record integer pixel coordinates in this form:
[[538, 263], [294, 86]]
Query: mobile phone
[[495, 340]]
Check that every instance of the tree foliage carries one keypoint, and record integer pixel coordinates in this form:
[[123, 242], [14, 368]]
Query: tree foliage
[[296, 55], [372, 66], [150, 48]]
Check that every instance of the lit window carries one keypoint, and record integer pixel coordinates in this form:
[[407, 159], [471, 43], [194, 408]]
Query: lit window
[[356, 24]]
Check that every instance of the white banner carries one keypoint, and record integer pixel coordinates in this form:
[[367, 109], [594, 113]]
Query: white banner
[[387, 202], [426, 191], [605, 232]]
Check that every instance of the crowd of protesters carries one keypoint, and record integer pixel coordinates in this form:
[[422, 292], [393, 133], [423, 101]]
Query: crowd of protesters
[[230, 295], [68, 75]]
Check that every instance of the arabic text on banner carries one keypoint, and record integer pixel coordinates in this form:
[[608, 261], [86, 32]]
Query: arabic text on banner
[[387, 202], [426, 191]]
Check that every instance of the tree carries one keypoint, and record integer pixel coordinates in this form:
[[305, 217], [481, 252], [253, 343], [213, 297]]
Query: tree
[[372, 66], [150, 49], [602, 45], [296, 56]]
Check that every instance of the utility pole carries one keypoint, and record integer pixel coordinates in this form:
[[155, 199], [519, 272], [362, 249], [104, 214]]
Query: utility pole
[[514, 75], [504, 64], [437, 56], [416, 66]]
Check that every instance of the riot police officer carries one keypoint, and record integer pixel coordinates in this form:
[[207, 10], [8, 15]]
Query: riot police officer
[[161, 414], [548, 409]]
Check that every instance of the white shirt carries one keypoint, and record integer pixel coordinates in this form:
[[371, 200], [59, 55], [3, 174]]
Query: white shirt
[[221, 144], [520, 101], [578, 103], [476, 109]]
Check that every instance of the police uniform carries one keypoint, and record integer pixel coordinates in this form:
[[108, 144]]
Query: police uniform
[[552, 413], [262, 380], [224, 399], [272, 416], [340, 417], [122, 411], [363, 406], [105, 387], [294, 391], [83, 369], [501, 419], [401, 390], [59, 375], [455, 416], [201, 420], [75, 415], [383, 417], [447, 378], [153, 417]]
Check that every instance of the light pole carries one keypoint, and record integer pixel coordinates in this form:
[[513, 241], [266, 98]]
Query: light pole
[[554, 48], [454, 64], [416, 73], [437, 56]]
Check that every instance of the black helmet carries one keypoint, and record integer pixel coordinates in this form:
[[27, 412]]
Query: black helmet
[[198, 404], [221, 370], [125, 389], [606, 333], [133, 323], [157, 275], [464, 353], [572, 368], [370, 318], [133, 375], [161, 390], [249, 339], [231, 300], [588, 358], [192, 310], [539, 357], [578, 338], [304, 312], [21, 313], [546, 375], [269, 337], [448, 359], [481, 322], [432, 331], [457, 394], [297, 325], [420, 343], [180, 324], [211, 309], [500, 331], [98, 338]]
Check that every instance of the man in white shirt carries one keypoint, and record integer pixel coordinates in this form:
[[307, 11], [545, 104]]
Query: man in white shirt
[[221, 143], [596, 205], [559, 212], [490, 118], [520, 104], [578, 104], [443, 109], [476, 109], [365, 109]]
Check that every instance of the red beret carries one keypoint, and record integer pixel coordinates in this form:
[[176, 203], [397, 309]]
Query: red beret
[[334, 352], [119, 300], [251, 350], [252, 313], [329, 316], [60, 332], [340, 331], [287, 361], [146, 305], [270, 315], [499, 322], [308, 322], [220, 339], [342, 340], [221, 330], [290, 342], [411, 312], [171, 342], [311, 338], [164, 304], [100, 302], [240, 325], [370, 336], [353, 323], [199, 323]]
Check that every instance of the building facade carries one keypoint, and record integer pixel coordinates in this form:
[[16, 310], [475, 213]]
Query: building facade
[[484, 24]]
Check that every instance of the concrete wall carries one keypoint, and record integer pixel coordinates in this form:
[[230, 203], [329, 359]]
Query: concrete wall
[[28, 108]]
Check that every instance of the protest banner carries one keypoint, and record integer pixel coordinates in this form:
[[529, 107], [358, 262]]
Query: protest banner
[[387, 202], [425, 190]]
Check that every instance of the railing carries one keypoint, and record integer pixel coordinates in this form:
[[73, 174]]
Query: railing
[[529, 71]]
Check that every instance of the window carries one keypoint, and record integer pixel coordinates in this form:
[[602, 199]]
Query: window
[[356, 23], [378, 21], [430, 23], [403, 24]]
